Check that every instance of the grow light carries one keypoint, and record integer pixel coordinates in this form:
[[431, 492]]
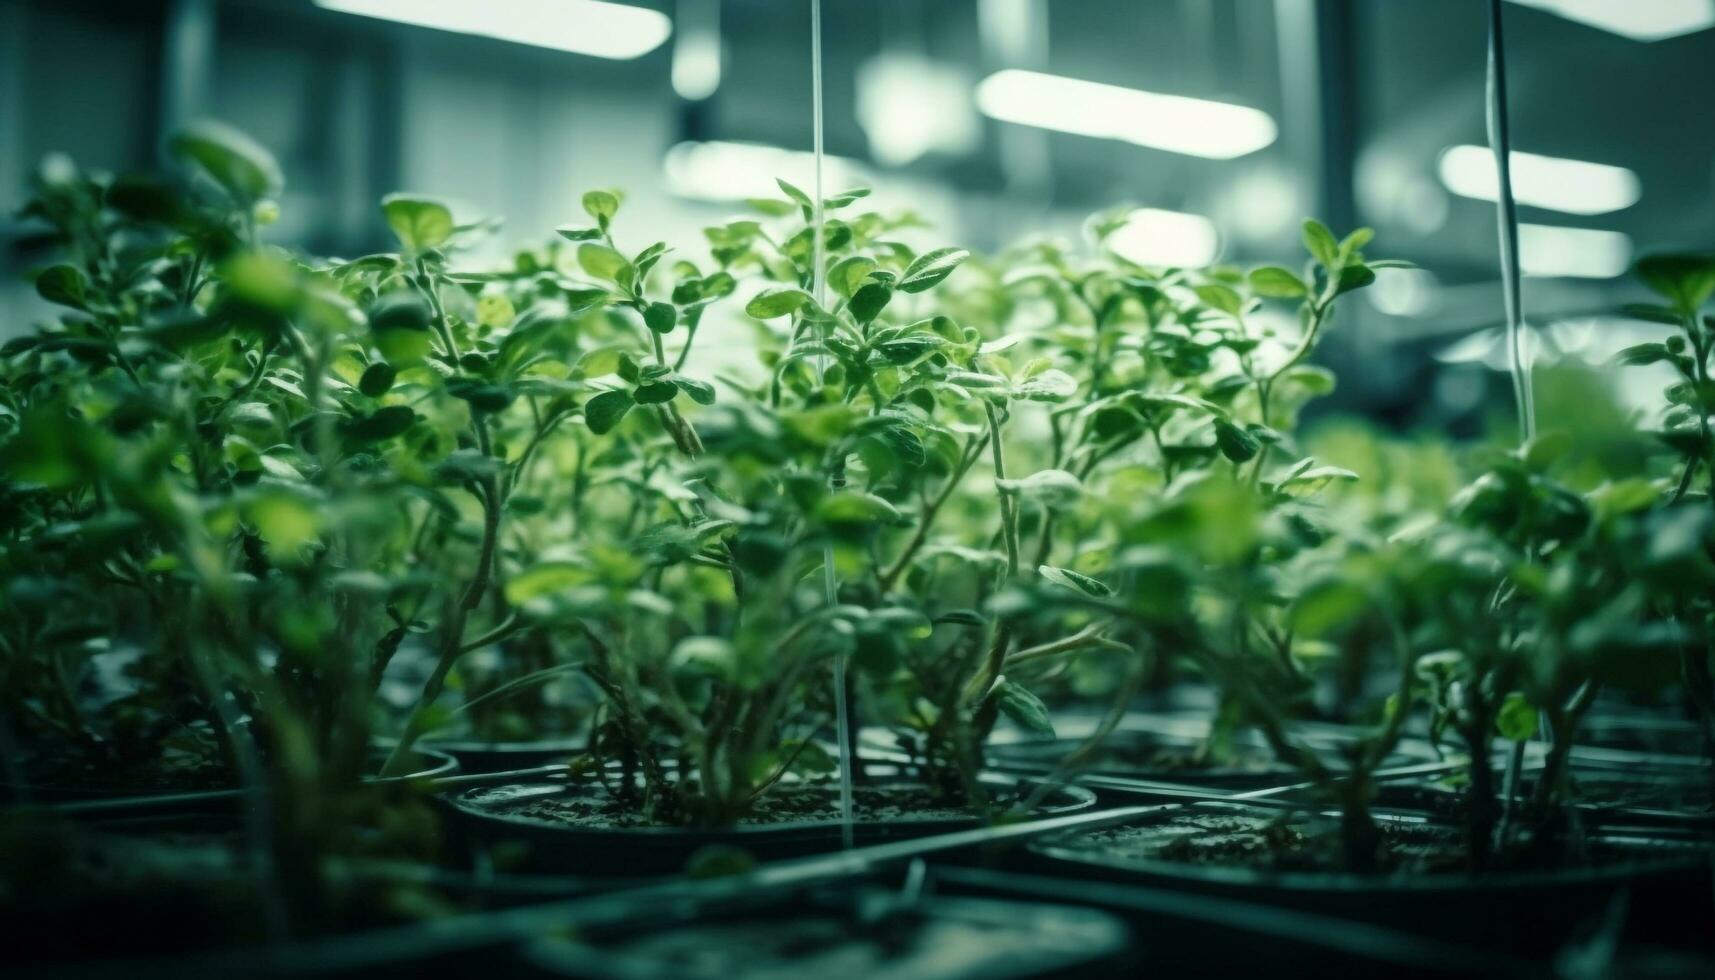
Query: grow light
[[720, 170], [910, 107], [1554, 183], [1177, 123], [697, 53], [1640, 20], [1585, 253], [592, 27], [1166, 238]]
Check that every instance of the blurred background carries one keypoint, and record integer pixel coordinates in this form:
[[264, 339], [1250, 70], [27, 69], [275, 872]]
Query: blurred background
[[1223, 122]]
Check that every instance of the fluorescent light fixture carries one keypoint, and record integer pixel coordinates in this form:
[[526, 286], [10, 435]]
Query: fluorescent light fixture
[[1166, 238], [1554, 183], [730, 171], [910, 107], [696, 65], [593, 27], [1640, 20], [697, 50], [1584, 253], [1176, 123]]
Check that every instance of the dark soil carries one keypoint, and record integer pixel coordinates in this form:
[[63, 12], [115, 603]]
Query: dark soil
[[1295, 841], [1150, 754], [1138, 753], [70, 775], [1691, 793], [595, 810], [1632, 790]]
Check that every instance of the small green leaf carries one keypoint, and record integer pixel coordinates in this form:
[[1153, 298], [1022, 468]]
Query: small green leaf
[[701, 392], [1223, 298], [1275, 282], [848, 274], [377, 379], [578, 233], [1327, 604], [1686, 280], [1076, 581], [930, 268], [382, 424], [604, 263], [868, 302], [1024, 708], [711, 656], [605, 410], [1354, 277], [602, 206], [778, 302], [1639, 355], [1051, 385], [1321, 243], [483, 398], [1545, 449], [660, 317], [399, 326], [420, 223], [1517, 718], [656, 393], [1051, 488], [799, 197], [63, 284], [855, 507], [1235, 443], [545, 579], [241, 166], [769, 206]]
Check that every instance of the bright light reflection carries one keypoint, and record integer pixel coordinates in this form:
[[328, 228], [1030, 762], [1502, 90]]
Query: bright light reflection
[[1177, 123], [592, 27], [728, 171], [1583, 253], [1640, 20], [910, 106], [1554, 183], [1166, 238]]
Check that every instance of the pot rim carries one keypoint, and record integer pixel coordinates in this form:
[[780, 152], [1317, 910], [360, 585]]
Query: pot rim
[[1673, 859], [1077, 798]]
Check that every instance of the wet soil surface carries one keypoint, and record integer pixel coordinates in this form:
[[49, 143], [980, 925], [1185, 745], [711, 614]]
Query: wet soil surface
[[1301, 842], [594, 809]]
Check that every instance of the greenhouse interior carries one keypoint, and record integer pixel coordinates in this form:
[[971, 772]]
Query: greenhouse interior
[[857, 488]]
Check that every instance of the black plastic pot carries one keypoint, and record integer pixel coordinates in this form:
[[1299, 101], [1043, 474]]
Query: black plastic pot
[[1139, 737], [475, 756], [1649, 791], [1179, 935], [843, 931], [1667, 888], [1646, 733], [555, 846], [139, 809]]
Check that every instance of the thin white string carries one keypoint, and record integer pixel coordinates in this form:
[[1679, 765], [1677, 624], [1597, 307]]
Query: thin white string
[[1506, 215], [818, 286]]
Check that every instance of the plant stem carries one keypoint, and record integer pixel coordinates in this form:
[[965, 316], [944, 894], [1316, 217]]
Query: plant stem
[[1008, 506], [452, 635], [973, 450]]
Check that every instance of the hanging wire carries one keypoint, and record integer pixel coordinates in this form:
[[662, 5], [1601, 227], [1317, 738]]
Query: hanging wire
[[818, 286], [1506, 218], [1500, 142]]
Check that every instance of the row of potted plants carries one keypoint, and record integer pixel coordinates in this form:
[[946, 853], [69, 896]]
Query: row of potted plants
[[249, 493]]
